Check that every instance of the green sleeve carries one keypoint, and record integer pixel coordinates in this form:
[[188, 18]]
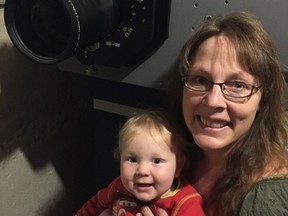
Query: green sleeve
[[268, 197]]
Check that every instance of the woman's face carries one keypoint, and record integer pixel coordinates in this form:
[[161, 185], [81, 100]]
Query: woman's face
[[215, 121]]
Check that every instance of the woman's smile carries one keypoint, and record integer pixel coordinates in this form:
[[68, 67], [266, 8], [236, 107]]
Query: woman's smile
[[213, 123]]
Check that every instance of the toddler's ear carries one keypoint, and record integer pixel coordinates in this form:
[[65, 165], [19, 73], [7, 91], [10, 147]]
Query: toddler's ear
[[180, 164]]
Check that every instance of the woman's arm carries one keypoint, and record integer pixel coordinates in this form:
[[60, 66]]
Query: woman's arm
[[267, 197]]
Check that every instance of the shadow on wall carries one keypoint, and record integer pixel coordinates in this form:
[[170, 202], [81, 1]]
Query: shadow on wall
[[45, 120]]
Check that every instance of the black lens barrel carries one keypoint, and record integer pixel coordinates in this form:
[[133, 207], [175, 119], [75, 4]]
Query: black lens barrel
[[49, 31]]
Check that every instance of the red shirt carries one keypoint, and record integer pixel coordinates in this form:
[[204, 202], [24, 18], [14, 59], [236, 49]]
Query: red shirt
[[185, 202]]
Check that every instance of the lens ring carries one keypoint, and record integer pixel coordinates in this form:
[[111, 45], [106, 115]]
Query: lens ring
[[49, 31]]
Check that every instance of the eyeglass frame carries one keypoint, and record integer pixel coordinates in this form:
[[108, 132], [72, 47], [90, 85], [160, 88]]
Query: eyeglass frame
[[254, 89]]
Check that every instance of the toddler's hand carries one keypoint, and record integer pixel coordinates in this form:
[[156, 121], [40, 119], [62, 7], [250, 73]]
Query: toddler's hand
[[146, 211], [106, 212]]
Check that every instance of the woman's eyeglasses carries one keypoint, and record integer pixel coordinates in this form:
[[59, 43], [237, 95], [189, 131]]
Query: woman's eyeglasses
[[234, 89]]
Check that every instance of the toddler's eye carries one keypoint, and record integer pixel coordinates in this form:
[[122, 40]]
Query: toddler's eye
[[132, 160], [157, 160]]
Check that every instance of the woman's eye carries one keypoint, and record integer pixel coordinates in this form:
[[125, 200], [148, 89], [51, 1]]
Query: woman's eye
[[239, 85], [199, 79]]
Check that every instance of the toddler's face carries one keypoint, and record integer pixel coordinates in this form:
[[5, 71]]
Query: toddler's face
[[148, 166]]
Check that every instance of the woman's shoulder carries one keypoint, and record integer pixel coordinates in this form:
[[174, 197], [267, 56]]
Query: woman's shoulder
[[267, 197]]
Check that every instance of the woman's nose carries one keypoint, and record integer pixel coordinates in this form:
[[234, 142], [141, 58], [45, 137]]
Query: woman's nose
[[214, 97]]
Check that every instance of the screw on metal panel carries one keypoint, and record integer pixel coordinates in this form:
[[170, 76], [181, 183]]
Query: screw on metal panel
[[208, 18]]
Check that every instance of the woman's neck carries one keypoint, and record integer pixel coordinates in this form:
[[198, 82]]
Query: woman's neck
[[210, 164], [207, 170]]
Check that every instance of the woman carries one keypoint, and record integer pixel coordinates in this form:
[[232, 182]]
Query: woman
[[230, 91]]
